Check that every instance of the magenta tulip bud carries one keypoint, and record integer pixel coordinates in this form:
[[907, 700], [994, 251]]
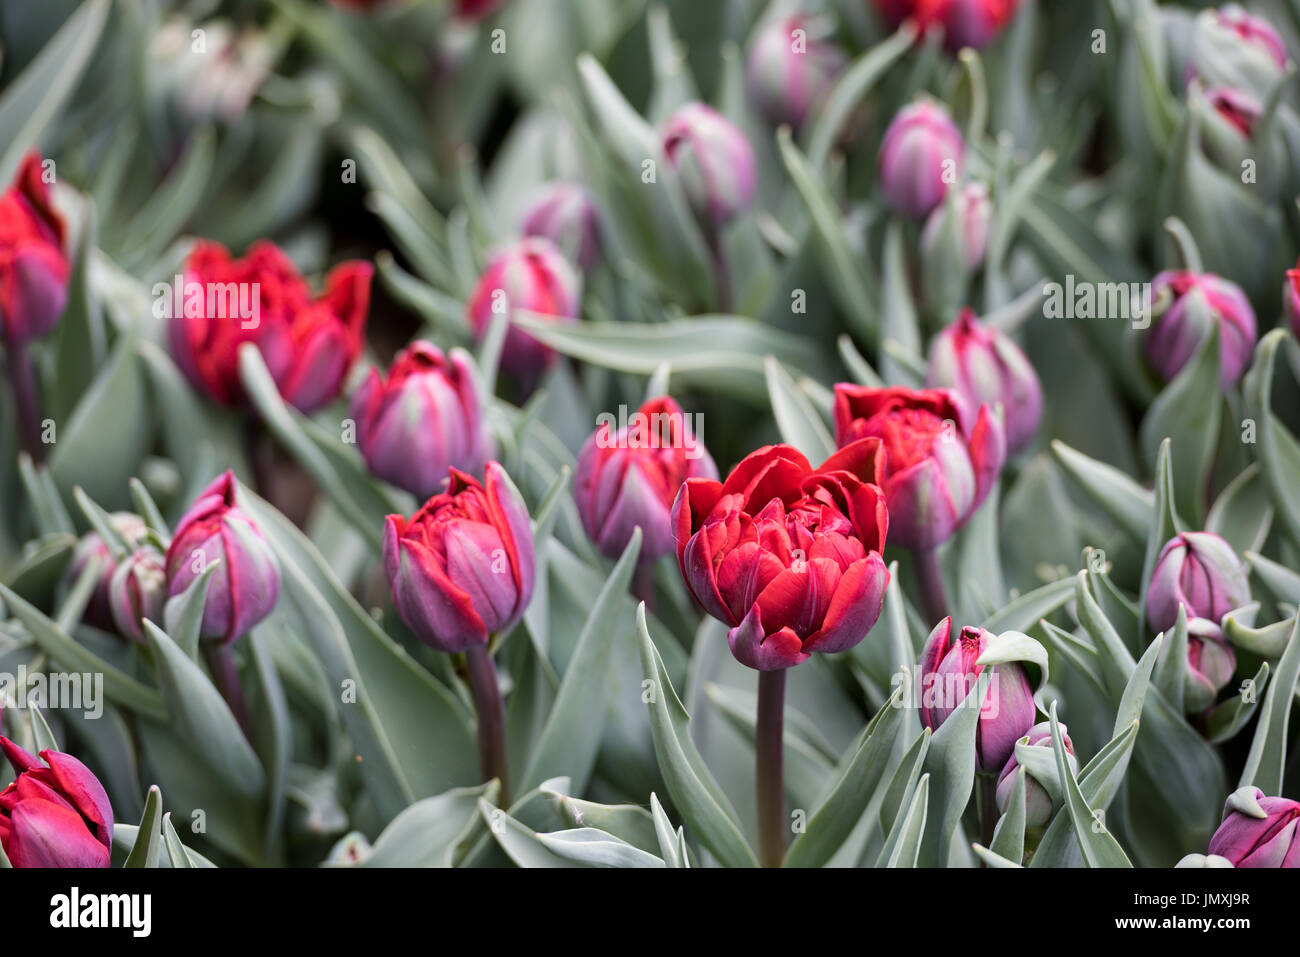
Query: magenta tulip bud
[[1210, 665], [786, 555], [565, 214], [941, 458], [1185, 305], [1199, 571], [243, 589], [792, 66], [969, 217], [138, 591], [55, 813], [714, 161], [1291, 298], [1258, 831], [629, 478], [949, 671], [1040, 795], [1231, 48], [462, 567], [132, 529], [983, 366], [33, 267], [530, 275], [922, 154], [425, 419]]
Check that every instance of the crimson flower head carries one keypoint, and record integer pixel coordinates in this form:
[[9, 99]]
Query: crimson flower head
[[966, 23], [462, 568], [531, 275], [33, 269], [1258, 831], [787, 555], [424, 419], [308, 342], [1186, 306], [243, 589], [629, 478], [55, 813], [1291, 298], [940, 459]]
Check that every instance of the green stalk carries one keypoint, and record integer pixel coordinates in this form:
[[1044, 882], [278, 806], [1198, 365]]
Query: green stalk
[[491, 719], [770, 752]]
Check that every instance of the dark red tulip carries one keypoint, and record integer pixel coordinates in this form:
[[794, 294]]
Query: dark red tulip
[[966, 23], [787, 555], [55, 813], [33, 267]]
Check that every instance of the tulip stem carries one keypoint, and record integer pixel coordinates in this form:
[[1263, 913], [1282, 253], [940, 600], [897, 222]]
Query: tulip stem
[[491, 719], [721, 268], [225, 675], [934, 598], [27, 402], [988, 806], [769, 744]]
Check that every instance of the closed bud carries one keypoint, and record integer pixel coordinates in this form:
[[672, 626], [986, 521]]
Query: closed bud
[[1185, 306], [531, 275], [138, 591], [131, 528], [424, 419], [941, 457], [1258, 831], [922, 154], [565, 214], [1291, 298], [628, 479], [949, 669], [55, 813], [1199, 571], [33, 267], [786, 555], [243, 589], [1042, 789], [983, 366], [462, 568], [957, 233], [792, 66], [965, 23], [1232, 48], [713, 160]]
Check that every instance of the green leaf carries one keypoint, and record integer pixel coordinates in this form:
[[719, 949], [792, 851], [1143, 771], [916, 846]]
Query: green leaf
[[1266, 764], [434, 832], [202, 717], [1124, 500], [857, 778], [36, 96], [1243, 513], [144, 853], [672, 844], [176, 852], [906, 850], [1277, 450], [183, 613], [48, 510], [571, 737], [951, 763], [799, 422], [1229, 717], [593, 848], [1009, 835], [1100, 849], [899, 326], [695, 793], [1021, 613], [628, 822]]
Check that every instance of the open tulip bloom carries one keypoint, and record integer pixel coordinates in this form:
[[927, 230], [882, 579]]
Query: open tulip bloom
[[786, 433]]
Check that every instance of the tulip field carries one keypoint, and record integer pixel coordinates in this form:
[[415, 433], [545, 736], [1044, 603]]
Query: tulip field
[[649, 434]]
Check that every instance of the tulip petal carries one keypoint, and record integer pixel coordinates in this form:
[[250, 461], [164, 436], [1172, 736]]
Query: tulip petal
[[770, 653]]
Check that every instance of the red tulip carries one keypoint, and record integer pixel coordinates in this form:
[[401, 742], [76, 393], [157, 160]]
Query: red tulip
[[938, 465], [785, 554], [33, 269], [966, 23], [462, 568], [629, 479], [308, 342], [1258, 831], [55, 814]]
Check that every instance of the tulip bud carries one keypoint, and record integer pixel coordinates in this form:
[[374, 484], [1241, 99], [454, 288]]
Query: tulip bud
[[243, 589], [566, 215], [132, 529], [786, 555], [938, 468], [138, 591], [966, 23], [629, 479], [1199, 571], [1041, 794], [532, 275], [714, 161], [1258, 831], [308, 342], [220, 83], [462, 567], [792, 66], [425, 419], [33, 268], [1291, 298], [983, 366], [922, 154], [962, 223], [1210, 665], [1231, 48], [55, 813], [1185, 304], [949, 670], [1227, 122]]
